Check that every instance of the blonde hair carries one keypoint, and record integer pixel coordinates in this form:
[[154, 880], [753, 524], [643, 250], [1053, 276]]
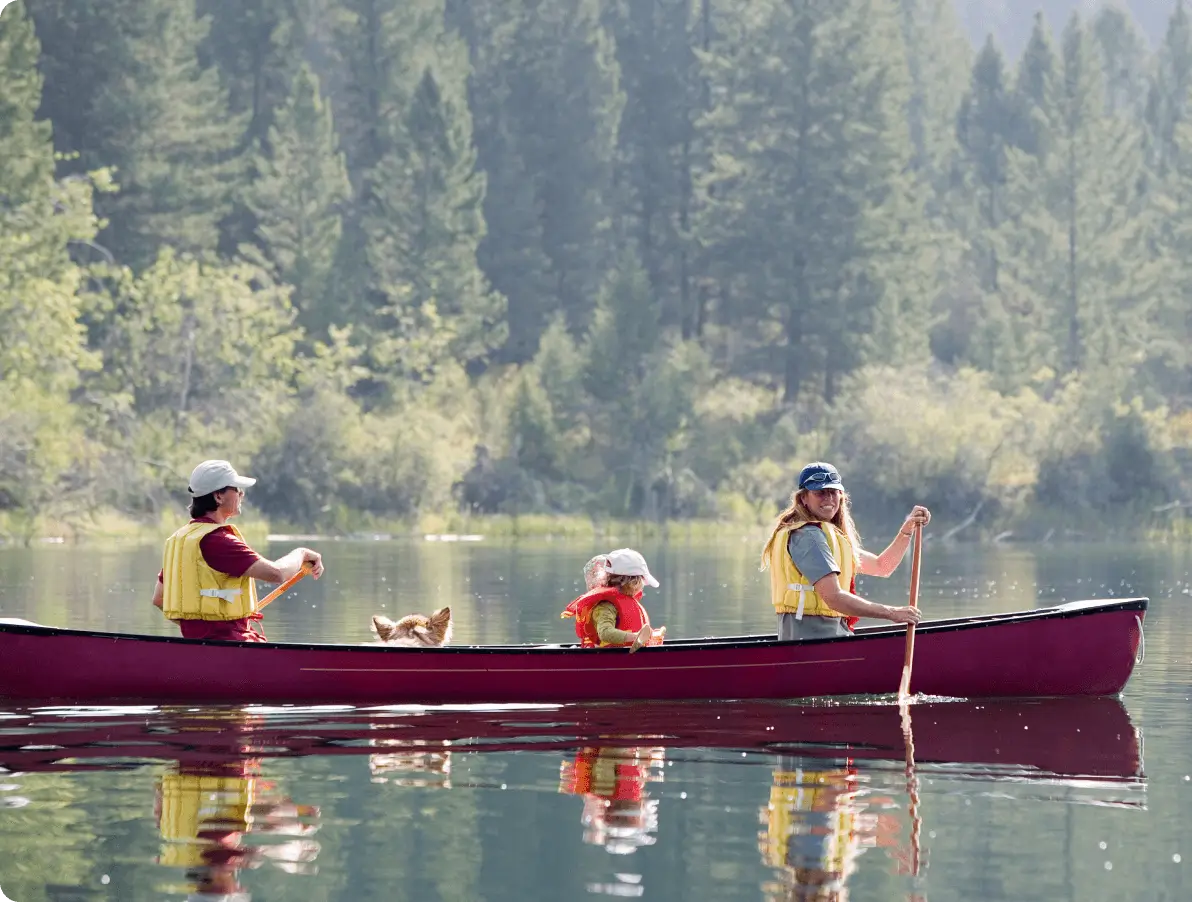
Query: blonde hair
[[797, 512], [628, 585]]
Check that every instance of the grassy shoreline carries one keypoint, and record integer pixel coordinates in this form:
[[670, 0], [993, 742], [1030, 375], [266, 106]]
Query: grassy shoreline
[[111, 527]]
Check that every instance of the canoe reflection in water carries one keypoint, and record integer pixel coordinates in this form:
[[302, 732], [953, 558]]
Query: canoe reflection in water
[[205, 811], [818, 821], [618, 812]]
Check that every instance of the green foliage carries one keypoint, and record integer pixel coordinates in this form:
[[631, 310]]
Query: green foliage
[[811, 212], [590, 258], [151, 112], [197, 362], [25, 161], [43, 450], [298, 198]]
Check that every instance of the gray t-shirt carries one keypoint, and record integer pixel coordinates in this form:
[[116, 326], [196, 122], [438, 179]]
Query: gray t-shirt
[[808, 548]]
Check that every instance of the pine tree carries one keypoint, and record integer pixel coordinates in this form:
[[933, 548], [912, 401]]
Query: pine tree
[[657, 157], [257, 46], [1167, 100], [938, 57], [419, 211], [126, 80], [1074, 249], [983, 128], [1123, 53], [548, 104], [26, 151], [1170, 352], [298, 198], [813, 221], [1035, 88]]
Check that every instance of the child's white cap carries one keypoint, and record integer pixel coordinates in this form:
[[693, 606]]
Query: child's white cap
[[627, 562]]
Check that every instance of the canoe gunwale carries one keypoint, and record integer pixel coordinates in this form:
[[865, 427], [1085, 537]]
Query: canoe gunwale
[[1067, 610]]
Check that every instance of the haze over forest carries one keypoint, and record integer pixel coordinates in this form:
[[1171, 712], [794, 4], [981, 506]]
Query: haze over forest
[[420, 259]]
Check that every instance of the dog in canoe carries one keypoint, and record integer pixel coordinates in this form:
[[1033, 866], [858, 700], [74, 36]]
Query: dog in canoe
[[415, 630]]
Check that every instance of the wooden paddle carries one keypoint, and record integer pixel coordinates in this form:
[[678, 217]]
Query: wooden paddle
[[904, 688], [280, 590]]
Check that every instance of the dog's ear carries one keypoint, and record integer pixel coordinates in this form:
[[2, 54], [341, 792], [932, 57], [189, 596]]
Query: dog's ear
[[440, 618], [383, 627]]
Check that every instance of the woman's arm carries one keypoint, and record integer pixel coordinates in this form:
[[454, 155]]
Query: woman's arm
[[887, 562], [852, 605]]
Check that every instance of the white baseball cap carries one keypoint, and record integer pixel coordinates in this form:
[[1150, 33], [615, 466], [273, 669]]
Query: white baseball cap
[[213, 475], [627, 562]]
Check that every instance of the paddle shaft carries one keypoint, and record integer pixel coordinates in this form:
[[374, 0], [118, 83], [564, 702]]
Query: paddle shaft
[[904, 688], [281, 590]]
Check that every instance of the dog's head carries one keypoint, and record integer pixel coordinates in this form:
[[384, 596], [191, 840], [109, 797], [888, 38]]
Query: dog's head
[[415, 630]]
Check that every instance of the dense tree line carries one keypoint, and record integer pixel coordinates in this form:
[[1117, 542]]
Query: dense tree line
[[637, 259]]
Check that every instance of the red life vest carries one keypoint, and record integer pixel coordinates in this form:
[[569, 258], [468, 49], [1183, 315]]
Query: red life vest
[[631, 616], [615, 774]]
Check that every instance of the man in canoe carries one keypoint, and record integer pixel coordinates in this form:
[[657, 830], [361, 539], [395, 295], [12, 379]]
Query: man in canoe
[[207, 582], [814, 554], [611, 612]]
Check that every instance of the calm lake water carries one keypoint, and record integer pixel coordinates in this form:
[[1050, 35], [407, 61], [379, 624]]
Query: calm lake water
[[1026, 801]]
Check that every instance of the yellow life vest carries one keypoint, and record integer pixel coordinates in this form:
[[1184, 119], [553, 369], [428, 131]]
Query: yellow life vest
[[817, 803], [195, 803], [790, 591], [192, 590]]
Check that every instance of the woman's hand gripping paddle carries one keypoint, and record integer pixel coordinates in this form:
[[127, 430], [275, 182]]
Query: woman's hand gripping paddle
[[904, 688], [284, 587]]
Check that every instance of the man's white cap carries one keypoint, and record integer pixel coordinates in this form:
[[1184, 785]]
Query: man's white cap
[[627, 562], [213, 475]]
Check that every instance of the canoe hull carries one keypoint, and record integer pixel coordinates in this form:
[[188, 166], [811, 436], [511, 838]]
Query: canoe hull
[[1084, 648]]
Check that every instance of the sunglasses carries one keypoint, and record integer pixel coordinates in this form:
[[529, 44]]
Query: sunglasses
[[232, 488], [821, 478]]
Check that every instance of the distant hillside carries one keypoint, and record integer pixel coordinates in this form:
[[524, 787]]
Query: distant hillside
[[1010, 20]]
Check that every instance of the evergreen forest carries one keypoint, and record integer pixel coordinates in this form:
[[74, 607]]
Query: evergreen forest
[[619, 259]]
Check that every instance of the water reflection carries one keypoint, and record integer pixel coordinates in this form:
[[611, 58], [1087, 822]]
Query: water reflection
[[618, 812], [217, 814], [421, 763], [817, 824], [830, 782]]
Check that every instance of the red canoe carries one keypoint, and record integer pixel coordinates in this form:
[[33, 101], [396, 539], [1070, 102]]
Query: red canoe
[[1087, 737], [1081, 648]]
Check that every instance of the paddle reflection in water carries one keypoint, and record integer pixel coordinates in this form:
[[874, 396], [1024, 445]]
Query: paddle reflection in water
[[206, 810]]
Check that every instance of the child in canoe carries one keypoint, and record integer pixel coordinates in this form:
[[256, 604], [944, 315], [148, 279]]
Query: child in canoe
[[610, 613]]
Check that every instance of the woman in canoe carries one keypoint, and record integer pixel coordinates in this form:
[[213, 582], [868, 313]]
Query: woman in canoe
[[207, 582], [814, 554], [610, 613]]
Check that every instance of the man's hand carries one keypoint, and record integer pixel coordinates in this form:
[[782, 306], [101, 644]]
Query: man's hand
[[316, 561]]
